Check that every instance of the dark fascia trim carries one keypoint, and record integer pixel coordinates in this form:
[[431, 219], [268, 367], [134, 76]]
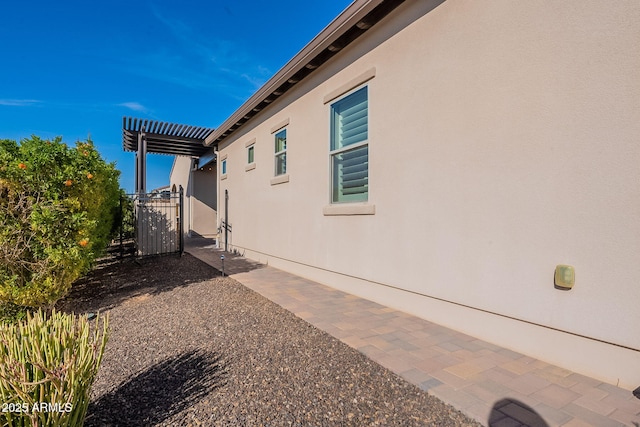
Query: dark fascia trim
[[348, 26]]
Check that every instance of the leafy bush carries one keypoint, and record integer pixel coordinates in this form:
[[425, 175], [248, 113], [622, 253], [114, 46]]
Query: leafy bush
[[57, 210], [47, 367], [126, 217]]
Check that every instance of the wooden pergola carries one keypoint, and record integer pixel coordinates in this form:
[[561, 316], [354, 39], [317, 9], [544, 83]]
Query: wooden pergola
[[144, 136]]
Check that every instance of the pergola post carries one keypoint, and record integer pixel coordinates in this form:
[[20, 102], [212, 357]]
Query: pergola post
[[141, 163]]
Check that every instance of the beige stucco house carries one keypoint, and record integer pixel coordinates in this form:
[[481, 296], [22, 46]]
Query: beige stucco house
[[444, 158]]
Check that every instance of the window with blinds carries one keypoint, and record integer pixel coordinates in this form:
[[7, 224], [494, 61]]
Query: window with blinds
[[349, 148]]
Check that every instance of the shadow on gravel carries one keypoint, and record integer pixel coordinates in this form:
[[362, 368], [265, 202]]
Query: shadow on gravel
[[159, 392], [113, 282]]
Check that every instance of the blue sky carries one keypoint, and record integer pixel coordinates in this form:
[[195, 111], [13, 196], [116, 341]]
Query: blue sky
[[74, 68]]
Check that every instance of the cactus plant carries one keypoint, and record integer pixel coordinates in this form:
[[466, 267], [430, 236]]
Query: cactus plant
[[47, 366]]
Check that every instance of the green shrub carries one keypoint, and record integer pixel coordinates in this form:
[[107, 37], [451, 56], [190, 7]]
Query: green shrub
[[11, 313], [57, 211], [47, 367], [126, 217]]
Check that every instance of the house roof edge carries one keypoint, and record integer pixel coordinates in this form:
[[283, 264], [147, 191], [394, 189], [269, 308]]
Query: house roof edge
[[356, 19]]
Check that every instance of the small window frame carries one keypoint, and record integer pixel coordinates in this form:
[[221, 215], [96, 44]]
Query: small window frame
[[280, 156], [223, 168], [277, 129], [251, 155]]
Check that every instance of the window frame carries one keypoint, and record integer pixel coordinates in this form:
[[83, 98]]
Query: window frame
[[333, 200], [281, 153], [223, 167], [277, 128], [251, 155]]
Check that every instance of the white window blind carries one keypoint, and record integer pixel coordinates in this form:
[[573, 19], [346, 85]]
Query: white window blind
[[349, 148]]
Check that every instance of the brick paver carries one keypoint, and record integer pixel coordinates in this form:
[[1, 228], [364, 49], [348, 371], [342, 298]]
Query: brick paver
[[496, 386]]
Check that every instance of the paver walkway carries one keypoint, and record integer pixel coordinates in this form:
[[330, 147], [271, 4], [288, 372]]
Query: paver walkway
[[493, 385]]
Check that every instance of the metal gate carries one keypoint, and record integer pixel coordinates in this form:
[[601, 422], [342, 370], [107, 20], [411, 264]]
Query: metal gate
[[158, 227]]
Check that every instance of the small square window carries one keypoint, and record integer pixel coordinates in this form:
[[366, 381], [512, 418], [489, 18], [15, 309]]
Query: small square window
[[281, 152], [223, 167]]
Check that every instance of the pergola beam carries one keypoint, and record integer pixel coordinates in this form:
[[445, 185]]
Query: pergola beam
[[144, 136]]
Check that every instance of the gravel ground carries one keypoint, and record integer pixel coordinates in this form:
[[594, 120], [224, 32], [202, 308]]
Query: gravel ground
[[190, 348]]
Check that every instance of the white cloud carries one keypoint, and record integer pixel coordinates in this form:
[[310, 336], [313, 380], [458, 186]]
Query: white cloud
[[201, 61], [135, 106], [19, 102], [256, 82]]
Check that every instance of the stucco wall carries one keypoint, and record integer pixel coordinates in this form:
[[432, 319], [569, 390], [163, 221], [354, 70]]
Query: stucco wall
[[200, 196], [203, 201], [503, 140]]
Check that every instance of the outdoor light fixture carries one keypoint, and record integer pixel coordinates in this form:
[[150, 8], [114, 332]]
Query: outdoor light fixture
[[565, 277]]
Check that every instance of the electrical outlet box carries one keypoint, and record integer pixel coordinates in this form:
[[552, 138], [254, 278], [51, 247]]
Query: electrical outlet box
[[565, 277]]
